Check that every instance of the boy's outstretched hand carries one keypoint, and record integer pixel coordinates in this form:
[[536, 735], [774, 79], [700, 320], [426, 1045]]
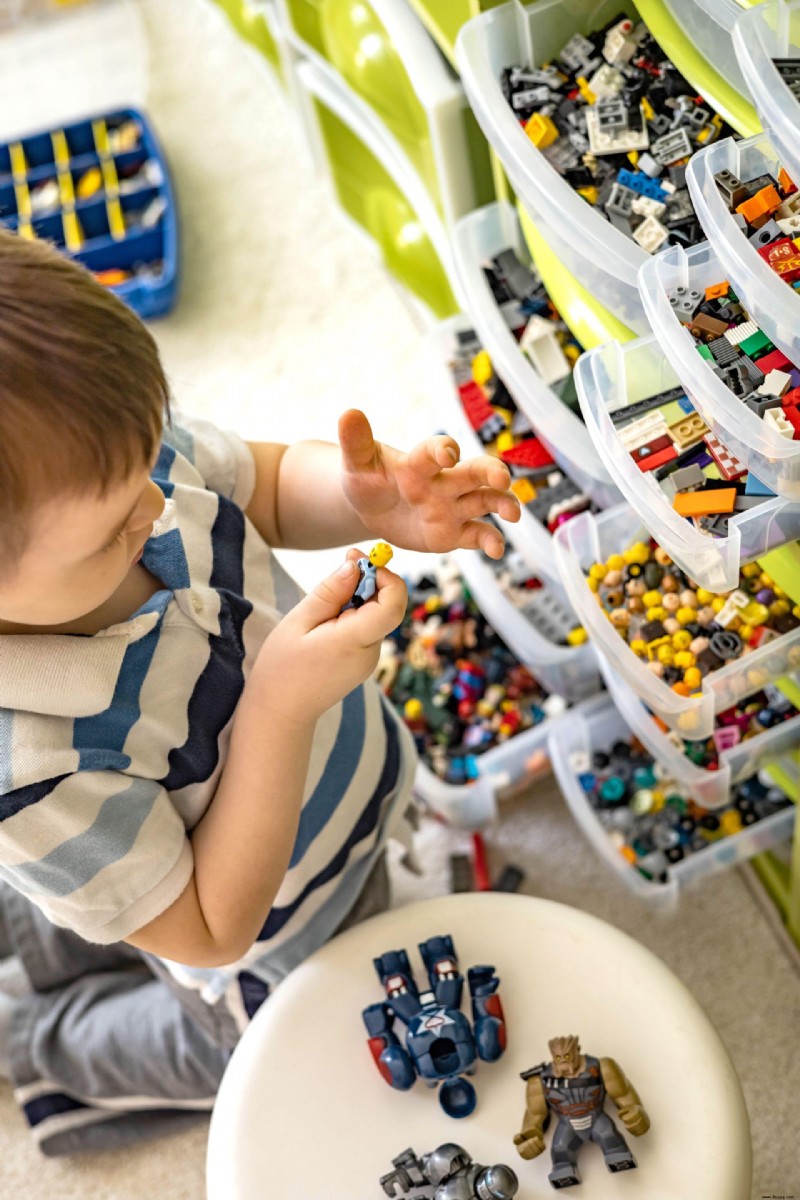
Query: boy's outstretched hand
[[426, 499]]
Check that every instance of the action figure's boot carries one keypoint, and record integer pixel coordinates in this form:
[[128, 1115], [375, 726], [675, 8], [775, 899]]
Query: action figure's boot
[[620, 1160], [564, 1175]]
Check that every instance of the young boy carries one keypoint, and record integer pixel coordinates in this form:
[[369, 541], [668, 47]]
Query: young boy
[[197, 781]]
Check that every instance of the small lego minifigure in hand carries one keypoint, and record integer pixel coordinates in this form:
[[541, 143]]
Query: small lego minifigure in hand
[[379, 556], [426, 499], [574, 1086]]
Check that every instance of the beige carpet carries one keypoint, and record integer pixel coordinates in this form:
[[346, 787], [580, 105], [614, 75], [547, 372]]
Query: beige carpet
[[285, 320]]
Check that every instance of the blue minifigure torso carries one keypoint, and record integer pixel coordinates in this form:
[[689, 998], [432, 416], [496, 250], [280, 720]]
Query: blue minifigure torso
[[441, 1045]]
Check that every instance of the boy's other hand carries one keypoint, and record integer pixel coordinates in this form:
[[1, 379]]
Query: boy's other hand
[[426, 499], [317, 654]]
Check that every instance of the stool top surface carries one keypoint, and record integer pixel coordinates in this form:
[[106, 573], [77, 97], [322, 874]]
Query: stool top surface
[[303, 1113]]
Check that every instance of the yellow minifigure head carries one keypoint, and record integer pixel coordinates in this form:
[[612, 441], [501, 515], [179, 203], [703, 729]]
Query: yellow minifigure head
[[380, 554]]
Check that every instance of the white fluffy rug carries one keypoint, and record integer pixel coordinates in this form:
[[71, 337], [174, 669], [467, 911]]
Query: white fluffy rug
[[286, 318]]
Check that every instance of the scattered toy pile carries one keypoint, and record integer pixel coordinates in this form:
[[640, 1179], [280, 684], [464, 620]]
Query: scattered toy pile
[[685, 632], [615, 118], [544, 490], [767, 210], [743, 357], [759, 712], [652, 820], [457, 686]]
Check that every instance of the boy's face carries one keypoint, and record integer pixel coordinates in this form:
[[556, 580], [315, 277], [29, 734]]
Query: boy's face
[[81, 550]]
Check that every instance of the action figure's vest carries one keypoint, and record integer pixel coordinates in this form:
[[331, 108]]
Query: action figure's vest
[[579, 1099]]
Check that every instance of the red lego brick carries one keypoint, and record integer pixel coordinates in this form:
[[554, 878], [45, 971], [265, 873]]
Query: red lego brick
[[784, 258], [659, 443], [476, 407], [793, 417], [530, 453], [776, 360], [651, 461], [729, 466], [792, 398]]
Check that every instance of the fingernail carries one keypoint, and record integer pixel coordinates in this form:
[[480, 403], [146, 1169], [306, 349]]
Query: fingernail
[[453, 456], [346, 569]]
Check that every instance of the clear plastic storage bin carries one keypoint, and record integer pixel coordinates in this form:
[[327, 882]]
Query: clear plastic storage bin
[[708, 27], [710, 789], [570, 671], [528, 536], [594, 726], [587, 539], [599, 255], [613, 376], [774, 304], [774, 459], [476, 239], [767, 31], [503, 768]]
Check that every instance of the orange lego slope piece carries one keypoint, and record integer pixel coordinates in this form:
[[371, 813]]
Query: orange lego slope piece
[[704, 502]]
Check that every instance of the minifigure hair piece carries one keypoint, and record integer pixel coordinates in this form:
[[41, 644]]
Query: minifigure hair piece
[[82, 391], [565, 1045]]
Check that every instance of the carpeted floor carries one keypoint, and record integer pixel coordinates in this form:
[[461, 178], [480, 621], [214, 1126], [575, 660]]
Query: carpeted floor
[[285, 320]]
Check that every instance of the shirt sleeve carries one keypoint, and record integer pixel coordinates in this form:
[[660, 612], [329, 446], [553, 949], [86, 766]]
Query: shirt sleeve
[[99, 852], [222, 458]]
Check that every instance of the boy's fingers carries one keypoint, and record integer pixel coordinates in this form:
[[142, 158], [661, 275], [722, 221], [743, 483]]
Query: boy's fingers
[[356, 440], [328, 597], [480, 535], [483, 471], [482, 501], [434, 455]]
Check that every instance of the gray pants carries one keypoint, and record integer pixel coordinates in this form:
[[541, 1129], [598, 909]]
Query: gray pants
[[109, 1048]]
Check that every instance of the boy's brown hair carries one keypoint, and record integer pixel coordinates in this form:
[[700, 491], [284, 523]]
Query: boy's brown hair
[[82, 390]]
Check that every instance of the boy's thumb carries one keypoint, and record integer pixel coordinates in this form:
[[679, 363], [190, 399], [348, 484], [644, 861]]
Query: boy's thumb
[[329, 596]]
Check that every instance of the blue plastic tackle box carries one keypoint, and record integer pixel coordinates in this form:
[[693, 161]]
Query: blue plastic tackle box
[[80, 164]]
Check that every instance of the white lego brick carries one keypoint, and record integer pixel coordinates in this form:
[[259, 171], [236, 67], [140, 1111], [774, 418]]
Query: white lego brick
[[645, 429], [540, 343], [650, 234], [774, 419], [789, 225], [775, 383], [740, 333], [621, 142], [648, 206], [606, 81]]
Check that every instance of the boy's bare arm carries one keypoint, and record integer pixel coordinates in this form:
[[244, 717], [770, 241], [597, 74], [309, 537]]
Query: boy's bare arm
[[243, 844], [313, 494]]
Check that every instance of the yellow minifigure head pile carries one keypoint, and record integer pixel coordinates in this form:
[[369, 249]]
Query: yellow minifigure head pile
[[380, 554]]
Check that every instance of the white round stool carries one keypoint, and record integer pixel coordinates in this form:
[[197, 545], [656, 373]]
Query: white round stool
[[303, 1113]]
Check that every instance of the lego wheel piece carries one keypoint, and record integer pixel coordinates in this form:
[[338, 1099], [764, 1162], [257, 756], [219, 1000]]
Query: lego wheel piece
[[457, 1097]]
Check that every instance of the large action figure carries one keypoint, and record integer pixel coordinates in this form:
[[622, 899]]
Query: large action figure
[[447, 1173], [440, 1045], [574, 1087]]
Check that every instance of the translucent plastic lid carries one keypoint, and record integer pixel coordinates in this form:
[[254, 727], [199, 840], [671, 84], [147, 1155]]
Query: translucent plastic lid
[[86, 59]]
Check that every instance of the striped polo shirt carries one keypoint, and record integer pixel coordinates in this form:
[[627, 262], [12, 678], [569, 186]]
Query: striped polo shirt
[[112, 746]]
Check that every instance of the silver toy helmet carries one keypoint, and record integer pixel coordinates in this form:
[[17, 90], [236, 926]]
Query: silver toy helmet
[[496, 1183], [445, 1160]]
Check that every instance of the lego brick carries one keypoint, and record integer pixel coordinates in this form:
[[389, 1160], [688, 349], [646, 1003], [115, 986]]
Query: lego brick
[[643, 430], [730, 468], [704, 501], [530, 453], [618, 141], [754, 487], [685, 303], [775, 383], [659, 458], [685, 479], [688, 431], [650, 235], [776, 420]]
